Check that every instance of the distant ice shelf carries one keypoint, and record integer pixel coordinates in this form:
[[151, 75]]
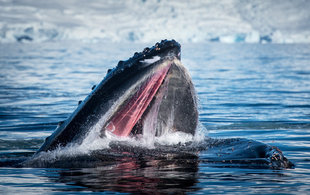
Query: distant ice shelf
[[228, 21]]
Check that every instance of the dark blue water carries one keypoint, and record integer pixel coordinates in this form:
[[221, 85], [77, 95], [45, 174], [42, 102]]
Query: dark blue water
[[252, 91]]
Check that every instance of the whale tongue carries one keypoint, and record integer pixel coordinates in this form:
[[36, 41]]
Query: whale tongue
[[123, 122]]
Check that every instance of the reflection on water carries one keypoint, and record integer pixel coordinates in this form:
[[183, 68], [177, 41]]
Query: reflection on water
[[257, 92], [134, 175]]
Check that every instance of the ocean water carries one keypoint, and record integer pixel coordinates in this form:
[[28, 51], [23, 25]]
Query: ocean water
[[255, 92]]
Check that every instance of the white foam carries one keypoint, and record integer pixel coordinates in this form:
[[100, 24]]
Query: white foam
[[93, 143]]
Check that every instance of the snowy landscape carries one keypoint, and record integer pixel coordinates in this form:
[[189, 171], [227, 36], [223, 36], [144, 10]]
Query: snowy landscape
[[228, 21]]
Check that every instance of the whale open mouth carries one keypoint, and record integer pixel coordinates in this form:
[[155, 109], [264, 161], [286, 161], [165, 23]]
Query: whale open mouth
[[140, 105], [151, 94]]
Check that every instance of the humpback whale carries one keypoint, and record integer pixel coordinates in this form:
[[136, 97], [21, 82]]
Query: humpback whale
[[149, 94]]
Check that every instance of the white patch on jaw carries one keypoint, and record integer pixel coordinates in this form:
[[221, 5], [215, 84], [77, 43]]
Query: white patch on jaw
[[150, 60]]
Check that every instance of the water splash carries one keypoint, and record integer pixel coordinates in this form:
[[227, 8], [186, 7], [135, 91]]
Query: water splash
[[93, 143]]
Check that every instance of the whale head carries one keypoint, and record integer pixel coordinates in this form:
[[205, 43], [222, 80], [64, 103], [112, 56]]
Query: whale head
[[149, 94]]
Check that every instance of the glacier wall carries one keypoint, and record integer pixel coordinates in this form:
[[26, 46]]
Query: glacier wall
[[228, 21]]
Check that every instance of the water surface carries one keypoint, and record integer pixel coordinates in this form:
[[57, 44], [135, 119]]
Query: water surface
[[252, 91]]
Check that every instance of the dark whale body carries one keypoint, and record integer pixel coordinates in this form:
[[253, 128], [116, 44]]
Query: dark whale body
[[139, 96]]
